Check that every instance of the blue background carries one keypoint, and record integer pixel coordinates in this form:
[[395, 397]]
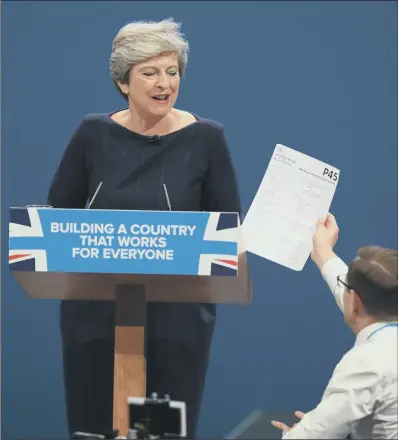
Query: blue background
[[318, 77]]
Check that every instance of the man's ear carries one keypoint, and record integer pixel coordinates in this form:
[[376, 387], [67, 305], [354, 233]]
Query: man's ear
[[356, 303]]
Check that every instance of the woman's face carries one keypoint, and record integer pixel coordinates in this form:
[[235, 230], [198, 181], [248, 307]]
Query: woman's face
[[154, 84]]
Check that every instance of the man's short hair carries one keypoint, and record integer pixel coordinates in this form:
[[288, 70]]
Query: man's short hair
[[373, 274]]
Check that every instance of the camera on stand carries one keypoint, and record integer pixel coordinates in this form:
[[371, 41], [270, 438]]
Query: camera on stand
[[150, 418], [154, 418]]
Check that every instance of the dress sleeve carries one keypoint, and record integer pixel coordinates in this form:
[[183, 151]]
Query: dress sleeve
[[221, 192], [69, 186]]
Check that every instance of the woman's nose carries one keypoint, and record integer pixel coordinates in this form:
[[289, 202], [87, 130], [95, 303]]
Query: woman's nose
[[163, 81]]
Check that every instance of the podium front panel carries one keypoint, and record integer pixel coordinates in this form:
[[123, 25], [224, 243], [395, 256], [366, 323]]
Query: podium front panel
[[123, 242]]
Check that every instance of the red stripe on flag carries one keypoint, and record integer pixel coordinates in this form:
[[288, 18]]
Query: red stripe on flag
[[14, 257], [231, 262]]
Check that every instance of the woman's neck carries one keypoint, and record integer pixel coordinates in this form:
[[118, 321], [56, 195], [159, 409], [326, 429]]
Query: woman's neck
[[149, 125]]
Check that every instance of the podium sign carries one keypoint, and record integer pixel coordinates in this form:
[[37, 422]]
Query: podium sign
[[131, 257], [123, 242]]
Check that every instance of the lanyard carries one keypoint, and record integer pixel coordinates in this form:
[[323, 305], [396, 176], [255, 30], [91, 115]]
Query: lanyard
[[393, 324]]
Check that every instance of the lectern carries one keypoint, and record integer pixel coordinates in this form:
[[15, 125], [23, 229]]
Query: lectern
[[130, 257]]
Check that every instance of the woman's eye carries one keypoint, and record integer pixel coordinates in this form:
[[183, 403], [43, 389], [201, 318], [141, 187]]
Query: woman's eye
[[173, 73]]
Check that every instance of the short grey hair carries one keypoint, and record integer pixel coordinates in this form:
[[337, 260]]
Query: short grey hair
[[141, 40]]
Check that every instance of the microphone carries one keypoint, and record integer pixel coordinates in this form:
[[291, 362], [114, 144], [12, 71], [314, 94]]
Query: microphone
[[152, 139], [94, 196], [167, 196]]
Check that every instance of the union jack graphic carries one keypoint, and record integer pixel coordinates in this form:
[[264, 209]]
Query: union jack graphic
[[220, 227], [26, 223]]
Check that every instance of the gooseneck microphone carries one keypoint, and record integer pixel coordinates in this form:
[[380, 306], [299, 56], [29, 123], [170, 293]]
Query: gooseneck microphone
[[94, 196]]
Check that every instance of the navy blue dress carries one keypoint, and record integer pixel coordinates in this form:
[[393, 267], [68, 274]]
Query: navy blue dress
[[195, 165]]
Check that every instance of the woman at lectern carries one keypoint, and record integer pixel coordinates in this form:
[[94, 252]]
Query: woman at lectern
[[138, 153]]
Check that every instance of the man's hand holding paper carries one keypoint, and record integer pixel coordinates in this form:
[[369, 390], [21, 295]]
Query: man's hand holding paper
[[295, 192]]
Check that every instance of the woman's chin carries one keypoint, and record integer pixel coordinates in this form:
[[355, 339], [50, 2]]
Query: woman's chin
[[159, 111]]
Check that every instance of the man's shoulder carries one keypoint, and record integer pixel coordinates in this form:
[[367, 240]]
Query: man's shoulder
[[367, 359]]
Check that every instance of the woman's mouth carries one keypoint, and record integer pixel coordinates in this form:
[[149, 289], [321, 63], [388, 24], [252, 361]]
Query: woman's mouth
[[162, 98]]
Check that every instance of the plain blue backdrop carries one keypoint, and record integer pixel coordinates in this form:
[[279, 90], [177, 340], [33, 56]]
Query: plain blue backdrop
[[318, 77]]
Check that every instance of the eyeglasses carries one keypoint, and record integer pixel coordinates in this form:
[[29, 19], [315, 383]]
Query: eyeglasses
[[340, 282]]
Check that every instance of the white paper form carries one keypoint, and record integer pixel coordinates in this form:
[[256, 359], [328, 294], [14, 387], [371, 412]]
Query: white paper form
[[295, 192]]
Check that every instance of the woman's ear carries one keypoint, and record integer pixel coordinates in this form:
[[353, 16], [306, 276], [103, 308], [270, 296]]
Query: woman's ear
[[123, 87]]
